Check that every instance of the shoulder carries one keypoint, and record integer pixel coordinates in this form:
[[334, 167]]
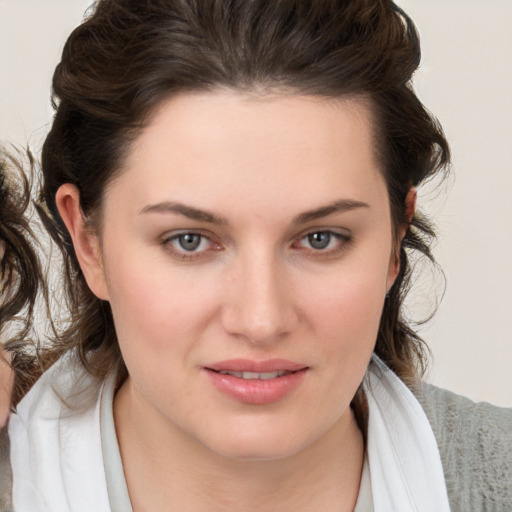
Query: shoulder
[[475, 443]]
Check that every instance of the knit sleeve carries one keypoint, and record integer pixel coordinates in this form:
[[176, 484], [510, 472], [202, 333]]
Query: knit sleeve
[[5, 473], [475, 443]]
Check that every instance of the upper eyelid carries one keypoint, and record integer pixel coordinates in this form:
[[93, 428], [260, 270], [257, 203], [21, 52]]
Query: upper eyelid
[[343, 232], [170, 235]]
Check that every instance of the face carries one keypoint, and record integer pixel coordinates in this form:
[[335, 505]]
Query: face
[[246, 251]]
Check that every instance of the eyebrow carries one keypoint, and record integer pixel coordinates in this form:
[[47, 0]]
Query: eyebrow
[[187, 211], [343, 205]]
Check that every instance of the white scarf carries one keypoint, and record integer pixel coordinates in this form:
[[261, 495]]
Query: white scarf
[[405, 465], [57, 460], [56, 456]]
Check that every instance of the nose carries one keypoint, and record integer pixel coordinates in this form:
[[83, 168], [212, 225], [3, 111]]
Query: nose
[[260, 306]]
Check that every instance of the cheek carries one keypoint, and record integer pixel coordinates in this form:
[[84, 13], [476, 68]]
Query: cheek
[[353, 300], [348, 325], [344, 316], [342, 331], [153, 304], [151, 307], [158, 324]]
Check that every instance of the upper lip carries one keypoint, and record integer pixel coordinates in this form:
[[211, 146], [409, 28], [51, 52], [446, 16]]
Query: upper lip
[[247, 365]]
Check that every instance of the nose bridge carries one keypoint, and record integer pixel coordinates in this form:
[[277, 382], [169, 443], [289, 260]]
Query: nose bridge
[[260, 307]]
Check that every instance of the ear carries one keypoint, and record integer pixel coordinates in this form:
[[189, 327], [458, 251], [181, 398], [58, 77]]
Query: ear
[[410, 205], [394, 263], [85, 241]]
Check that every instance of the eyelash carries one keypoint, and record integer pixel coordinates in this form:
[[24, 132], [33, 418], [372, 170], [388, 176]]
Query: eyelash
[[343, 242]]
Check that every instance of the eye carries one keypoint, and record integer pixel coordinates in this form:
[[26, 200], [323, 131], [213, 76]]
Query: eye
[[324, 242], [189, 241], [320, 240], [188, 244]]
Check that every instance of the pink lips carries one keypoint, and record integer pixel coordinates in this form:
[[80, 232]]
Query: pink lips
[[258, 385]]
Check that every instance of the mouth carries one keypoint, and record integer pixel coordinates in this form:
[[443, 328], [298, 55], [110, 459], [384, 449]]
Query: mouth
[[250, 369], [254, 375], [257, 383]]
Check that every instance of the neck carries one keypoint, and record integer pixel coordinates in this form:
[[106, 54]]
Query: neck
[[163, 466]]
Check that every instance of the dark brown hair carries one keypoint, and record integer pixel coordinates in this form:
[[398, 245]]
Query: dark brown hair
[[21, 276], [131, 55]]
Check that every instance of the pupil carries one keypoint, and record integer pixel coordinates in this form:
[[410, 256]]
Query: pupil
[[189, 242], [319, 240]]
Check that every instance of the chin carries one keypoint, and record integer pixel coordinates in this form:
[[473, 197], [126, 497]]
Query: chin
[[260, 441]]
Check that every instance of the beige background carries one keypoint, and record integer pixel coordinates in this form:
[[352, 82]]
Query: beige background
[[465, 79]]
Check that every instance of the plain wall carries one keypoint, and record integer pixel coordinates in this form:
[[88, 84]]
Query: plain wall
[[465, 79]]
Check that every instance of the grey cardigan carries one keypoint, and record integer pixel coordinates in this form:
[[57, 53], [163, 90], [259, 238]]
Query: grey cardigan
[[474, 439], [475, 443]]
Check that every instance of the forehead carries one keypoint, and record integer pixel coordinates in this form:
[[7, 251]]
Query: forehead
[[292, 149]]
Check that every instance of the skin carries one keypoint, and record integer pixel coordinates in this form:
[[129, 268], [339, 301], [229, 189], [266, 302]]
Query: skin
[[6, 374], [255, 288], [6, 385]]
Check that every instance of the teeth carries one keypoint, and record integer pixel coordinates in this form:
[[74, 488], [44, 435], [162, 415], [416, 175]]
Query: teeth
[[254, 375], [270, 375], [234, 374]]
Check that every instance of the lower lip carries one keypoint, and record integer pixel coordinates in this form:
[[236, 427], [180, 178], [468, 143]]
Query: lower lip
[[256, 391]]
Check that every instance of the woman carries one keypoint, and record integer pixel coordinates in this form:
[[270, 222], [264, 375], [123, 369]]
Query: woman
[[232, 185]]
